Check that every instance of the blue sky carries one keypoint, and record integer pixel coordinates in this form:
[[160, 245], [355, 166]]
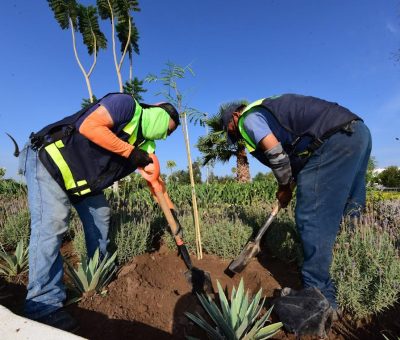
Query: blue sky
[[339, 50]]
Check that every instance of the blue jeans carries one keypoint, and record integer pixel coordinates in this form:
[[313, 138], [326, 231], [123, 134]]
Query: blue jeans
[[331, 185], [50, 209]]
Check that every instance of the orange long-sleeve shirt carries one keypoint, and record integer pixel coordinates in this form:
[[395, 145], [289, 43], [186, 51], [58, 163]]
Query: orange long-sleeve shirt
[[97, 128]]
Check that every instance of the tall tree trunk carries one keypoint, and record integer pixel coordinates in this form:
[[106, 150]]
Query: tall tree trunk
[[86, 75], [242, 165]]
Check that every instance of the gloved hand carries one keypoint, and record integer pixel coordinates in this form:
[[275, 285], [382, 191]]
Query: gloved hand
[[284, 195], [139, 158]]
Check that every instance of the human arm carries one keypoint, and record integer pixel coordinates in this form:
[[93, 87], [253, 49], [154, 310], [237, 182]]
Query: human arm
[[271, 152], [280, 166], [97, 128]]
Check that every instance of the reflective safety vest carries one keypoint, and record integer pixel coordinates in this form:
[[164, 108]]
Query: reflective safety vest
[[301, 116], [80, 166]]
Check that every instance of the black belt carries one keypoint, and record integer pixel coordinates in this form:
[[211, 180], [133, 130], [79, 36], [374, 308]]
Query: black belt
[[317, 142]]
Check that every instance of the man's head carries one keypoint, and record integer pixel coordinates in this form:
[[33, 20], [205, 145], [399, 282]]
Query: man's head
[[174, 116], [230, 114], [159, 120]]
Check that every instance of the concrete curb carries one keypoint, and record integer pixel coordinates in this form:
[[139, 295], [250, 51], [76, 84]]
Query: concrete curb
[[17, 327]]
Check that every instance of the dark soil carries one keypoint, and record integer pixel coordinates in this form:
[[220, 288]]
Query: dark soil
[[150, 295]]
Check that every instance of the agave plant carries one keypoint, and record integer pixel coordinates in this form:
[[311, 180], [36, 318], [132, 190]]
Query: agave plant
[[92, 274], [12, 265], [239, 319]]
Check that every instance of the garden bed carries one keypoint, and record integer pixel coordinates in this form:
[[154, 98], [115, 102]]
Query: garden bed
[[149, 296]]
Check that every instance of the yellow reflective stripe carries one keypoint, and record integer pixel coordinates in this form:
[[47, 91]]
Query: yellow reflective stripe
[[62, 165], [250, 106], [250, 145], [132, 127], [149, 146], [80, 183], [59, 144], [85, 191]]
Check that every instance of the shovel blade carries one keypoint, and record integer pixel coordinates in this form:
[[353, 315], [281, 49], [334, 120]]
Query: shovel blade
[[199, 280], [237, 265]]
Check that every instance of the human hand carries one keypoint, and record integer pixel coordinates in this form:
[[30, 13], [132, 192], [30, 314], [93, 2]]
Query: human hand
[[284, 195], [139, 158]]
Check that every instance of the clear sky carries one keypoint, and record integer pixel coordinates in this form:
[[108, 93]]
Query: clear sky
[[339, 50]]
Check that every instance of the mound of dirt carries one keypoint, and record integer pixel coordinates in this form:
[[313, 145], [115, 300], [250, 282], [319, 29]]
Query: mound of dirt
[[150, 295]]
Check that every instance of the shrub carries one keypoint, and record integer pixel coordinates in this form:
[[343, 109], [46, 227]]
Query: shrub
[[14, 220], [92, 274], [130, 238], [238, 319], [365, 268], [12, 265]]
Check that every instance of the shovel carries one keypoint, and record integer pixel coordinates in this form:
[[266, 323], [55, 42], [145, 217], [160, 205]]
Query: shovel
[[252, 248], [199, 279]]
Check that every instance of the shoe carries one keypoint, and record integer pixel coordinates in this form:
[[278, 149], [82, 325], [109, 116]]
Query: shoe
[[60, 319]]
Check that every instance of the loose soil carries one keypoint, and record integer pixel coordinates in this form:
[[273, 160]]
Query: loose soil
[[150, 295]]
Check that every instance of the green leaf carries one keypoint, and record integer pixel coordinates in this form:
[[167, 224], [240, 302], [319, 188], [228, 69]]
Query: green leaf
[[204, 325]]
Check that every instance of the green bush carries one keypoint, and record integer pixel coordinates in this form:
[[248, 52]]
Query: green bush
[[130, 238], [14, 219], [15, 227], [366, 268]]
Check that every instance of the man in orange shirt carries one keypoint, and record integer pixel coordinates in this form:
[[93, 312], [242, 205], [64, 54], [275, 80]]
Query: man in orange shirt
[[71, 162]]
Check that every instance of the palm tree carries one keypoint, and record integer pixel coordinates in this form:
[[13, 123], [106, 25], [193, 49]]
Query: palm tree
[[70, 15], [118, 11], [215, 147], [171, 166]]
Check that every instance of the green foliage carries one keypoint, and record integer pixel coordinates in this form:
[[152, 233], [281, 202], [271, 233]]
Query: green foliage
[[237, 319], [86, 102], [183, 177], [14, 219], [135, 88], [92, 274], [366, 268], [260, 176], [11, 265], [390, 177], [78, 239], [370, 176], [169, 78], [129, 237], [64, 10], [214, 145], [8, 186], [88, 24]]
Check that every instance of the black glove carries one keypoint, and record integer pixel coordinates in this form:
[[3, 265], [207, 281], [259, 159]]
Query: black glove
[[139, 158]]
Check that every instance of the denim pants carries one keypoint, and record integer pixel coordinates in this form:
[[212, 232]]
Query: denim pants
[[331, 185], [50, 209]]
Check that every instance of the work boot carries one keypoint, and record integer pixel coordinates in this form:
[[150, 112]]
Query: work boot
[[60, 319]]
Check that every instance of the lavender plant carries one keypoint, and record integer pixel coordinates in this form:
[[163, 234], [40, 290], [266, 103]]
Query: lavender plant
[[366, 267]]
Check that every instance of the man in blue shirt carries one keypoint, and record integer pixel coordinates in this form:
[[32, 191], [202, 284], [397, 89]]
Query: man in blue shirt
[[321, 146]]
